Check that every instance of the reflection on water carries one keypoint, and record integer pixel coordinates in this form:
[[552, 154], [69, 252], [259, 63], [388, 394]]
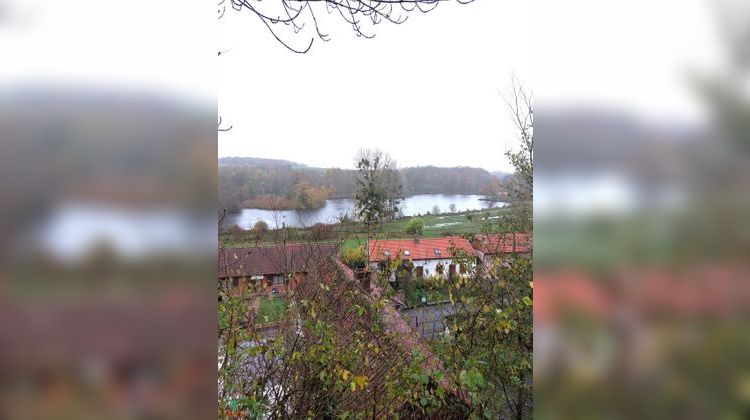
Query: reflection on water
[[76, 228], [334, 209]]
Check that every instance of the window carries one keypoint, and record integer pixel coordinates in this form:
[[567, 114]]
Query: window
[[437, 251], [278, 280], [420, 272], [387, 253], [407, 253], [235, 281]]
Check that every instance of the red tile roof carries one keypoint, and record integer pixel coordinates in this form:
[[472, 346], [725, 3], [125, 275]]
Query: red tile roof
[[269, 260], [559, 292], [418, 249], [497, 243], [700, 291]]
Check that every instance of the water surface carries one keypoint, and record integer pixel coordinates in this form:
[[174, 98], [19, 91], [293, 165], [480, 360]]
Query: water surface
[[335, 208]]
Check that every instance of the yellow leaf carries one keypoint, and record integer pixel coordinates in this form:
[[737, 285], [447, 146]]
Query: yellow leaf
[[361, 381], [345, 374]]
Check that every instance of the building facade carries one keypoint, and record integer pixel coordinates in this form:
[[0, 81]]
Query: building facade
[[272, 270], [421, 257]]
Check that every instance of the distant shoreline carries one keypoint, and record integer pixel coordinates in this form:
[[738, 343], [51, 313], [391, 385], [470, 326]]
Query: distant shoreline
[[496, 199], [272, 202], [275, 203]]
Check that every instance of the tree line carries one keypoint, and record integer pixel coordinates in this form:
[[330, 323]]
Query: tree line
[[243, 180]]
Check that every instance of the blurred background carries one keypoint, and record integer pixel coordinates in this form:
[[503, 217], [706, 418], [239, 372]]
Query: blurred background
[[107, 210], [108, 198], [642, 211]]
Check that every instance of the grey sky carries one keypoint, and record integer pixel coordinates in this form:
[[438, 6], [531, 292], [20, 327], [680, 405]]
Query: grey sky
[[129, 45], [425, 91], [635, 56]]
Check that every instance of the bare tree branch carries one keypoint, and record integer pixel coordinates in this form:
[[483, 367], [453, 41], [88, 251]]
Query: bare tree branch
[[362, 15], [220, 128]]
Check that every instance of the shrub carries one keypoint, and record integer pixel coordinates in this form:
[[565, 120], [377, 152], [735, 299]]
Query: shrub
[[235, 230], [260, 226], [354, 257], [415, 226], [320, 231]]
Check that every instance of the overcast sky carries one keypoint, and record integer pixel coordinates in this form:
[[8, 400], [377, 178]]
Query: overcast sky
[[138, 45], [634, 55], [425, 91]]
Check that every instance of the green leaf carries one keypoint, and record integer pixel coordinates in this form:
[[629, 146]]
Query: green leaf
[[473, 379], [527, 300], [421, 378]]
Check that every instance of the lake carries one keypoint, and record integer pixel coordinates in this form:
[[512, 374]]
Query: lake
[[72, 230], [335, 208]]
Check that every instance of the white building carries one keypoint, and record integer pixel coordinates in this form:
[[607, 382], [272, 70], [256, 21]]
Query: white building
[[427, 255]]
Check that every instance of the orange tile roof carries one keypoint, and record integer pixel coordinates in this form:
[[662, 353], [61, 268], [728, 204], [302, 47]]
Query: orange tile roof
[[418, 249]]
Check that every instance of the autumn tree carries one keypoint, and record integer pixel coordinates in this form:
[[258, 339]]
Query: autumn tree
[[490, 341], [308, 196]]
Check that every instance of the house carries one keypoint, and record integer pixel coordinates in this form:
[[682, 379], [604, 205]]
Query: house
[[422, 256], [487, 247], [276, 269]]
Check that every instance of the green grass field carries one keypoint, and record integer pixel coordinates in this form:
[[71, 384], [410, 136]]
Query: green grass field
[[435, 226], [271, 309], [353, 234]]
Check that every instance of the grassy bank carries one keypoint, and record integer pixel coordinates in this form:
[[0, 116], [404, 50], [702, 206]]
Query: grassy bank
[[353, 234], [435, 226]]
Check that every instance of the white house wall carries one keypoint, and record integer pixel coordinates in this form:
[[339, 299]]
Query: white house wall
[[430, 266]]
